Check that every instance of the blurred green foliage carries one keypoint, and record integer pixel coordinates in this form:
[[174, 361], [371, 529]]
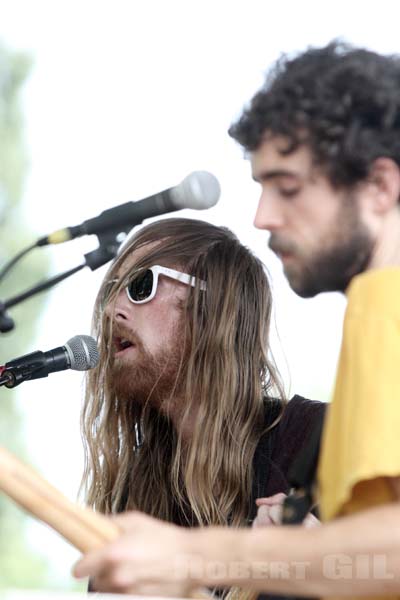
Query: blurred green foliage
[[19, 567]]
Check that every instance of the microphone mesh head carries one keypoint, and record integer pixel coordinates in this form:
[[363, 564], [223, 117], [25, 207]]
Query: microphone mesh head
[[83, 352], [199, 190]]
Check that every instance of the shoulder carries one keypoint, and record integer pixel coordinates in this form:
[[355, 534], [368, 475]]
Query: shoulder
[[300, 418], [299, 412], [300, 409]]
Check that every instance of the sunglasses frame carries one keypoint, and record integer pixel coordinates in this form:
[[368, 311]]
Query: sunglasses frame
[[158, 270]]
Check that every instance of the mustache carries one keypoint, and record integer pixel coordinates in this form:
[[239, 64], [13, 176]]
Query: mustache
[[118, 330]]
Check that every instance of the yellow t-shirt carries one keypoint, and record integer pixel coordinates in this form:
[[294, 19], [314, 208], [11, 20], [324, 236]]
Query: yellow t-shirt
[[361, 439]]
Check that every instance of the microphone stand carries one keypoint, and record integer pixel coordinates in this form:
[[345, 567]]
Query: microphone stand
[[107, 250]]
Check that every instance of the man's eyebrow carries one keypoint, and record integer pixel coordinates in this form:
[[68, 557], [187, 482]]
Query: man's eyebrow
[[274, 174]]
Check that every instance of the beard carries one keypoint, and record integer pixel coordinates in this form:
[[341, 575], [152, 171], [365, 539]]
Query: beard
[[345, 253], [149, 378]]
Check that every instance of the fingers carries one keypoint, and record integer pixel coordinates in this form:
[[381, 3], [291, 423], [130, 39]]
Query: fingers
[[262, 519], [108, 569], [271, 500], [311, 521], [268, 515], [114, 571], [136, 562], [89, 565], [269, 510]]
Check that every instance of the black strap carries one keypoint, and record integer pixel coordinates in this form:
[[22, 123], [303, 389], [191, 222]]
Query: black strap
[[301, 477], [263, 454]]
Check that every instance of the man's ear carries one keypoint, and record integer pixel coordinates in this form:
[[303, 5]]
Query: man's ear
[[384, 177]]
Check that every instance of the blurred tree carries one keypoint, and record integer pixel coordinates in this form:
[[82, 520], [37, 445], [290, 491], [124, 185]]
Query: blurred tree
[[18, 567]]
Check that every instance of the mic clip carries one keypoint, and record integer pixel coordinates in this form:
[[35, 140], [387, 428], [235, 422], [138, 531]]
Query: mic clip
[[109, 243], [30, 366]]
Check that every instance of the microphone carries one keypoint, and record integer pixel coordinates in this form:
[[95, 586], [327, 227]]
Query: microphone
[[80, 353], [199, 190]]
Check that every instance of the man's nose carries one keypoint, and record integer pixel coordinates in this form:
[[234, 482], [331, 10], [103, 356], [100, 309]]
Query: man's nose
[[119, 308], [268, 215]]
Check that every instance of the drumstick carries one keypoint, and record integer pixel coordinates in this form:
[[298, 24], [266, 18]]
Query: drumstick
[[83, 528]]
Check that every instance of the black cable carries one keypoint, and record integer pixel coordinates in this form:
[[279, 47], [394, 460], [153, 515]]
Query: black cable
[[13, 261], [106, 251], [41, 287]]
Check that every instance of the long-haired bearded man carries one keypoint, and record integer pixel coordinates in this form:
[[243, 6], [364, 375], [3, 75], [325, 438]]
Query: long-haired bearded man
[[185, 417]]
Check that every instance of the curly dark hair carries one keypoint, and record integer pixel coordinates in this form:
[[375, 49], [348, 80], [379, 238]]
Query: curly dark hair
[[342, 102]]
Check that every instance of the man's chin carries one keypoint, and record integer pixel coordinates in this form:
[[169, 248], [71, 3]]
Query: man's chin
[[312, 287], [302, 287], [294, 280]]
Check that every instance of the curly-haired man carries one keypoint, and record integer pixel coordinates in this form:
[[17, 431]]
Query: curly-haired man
[[323, 138]]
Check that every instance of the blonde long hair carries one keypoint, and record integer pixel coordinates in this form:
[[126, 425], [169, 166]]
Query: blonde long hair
[[135, 458]]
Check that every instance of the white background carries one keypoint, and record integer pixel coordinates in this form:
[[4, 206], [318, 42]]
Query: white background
[[125, 99]]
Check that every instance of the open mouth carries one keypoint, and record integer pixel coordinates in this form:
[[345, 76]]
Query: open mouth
[[122, 344]]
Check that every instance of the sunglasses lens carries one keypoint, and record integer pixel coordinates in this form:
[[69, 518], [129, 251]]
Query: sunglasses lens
[[140, 287]]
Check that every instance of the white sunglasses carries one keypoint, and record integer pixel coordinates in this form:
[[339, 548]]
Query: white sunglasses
[[142, 285]]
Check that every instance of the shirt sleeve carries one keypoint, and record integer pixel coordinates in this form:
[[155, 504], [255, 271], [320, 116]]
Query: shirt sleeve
[[361, 436]]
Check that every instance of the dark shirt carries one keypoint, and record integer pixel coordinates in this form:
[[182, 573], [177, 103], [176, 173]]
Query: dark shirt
[[279, 447]]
